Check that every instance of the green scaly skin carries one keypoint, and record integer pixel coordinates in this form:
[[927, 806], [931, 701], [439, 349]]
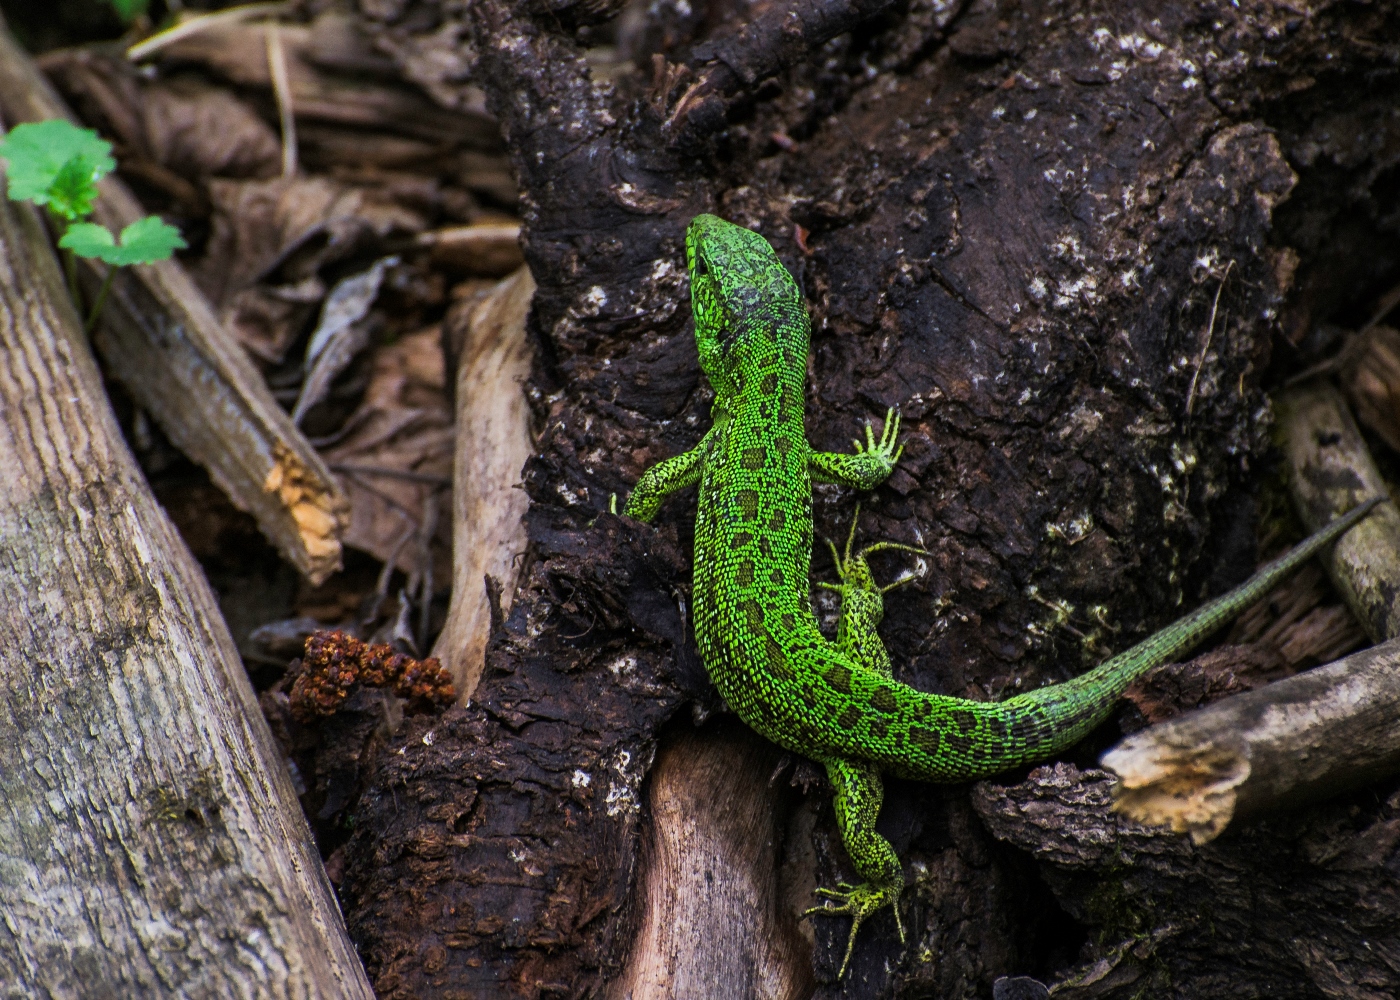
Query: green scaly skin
[[838, 702]]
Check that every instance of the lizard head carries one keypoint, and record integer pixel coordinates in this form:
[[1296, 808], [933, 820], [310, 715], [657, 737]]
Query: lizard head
[[743, 298]]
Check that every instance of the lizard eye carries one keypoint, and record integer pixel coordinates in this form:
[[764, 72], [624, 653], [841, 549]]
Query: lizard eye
[[700, 267]]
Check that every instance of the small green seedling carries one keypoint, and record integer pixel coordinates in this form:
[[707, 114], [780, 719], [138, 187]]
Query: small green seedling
[[129, 10], [57, 165]]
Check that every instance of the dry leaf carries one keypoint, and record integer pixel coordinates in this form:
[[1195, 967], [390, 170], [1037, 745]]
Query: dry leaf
[[398, 454], [340, 335], [184, 124]]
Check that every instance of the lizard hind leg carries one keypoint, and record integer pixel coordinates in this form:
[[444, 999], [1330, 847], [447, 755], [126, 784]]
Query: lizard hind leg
[[858, 793], [855, 571]]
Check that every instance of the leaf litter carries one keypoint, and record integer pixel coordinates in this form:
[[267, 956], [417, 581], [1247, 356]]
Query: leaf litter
[[334, 280]]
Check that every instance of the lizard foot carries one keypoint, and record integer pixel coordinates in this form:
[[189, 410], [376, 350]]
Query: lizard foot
[[859, 902], [855, 571], [884, 449]]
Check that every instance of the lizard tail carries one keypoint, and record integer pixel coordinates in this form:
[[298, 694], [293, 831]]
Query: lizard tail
[[954, 739], [1071, 709]]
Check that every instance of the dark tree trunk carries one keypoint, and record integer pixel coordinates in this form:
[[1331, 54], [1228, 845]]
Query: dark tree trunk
[[1063, 239]]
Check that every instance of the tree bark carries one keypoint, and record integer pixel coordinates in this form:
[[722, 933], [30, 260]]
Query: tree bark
[[1056, 236], [150, 840], [159, 337]]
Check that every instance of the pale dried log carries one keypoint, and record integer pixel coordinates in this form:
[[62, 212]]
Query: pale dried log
[[160, 338], [1330, 471], [714, 919], [1303, 738], [493, 442], [486, 249], [151, 844]]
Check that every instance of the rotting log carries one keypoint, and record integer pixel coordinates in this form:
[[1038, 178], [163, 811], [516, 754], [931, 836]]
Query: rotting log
[[1306, 737], [1010, 219], [1330, 470], [160, 338], [1300, 905], [493, 442], [150, 841]]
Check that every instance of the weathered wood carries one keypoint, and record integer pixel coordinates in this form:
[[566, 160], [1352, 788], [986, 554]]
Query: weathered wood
[[1300, 906], [1306, 737], [493, 442], [1330, 471], [160, 338], [713, 864], [150, 841]]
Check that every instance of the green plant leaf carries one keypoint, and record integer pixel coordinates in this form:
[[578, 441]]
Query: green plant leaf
[[142, 242], [72, 192], [129, 10], [36, 153]]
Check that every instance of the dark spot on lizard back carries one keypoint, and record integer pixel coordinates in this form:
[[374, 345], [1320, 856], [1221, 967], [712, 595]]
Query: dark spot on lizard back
[[740, 539], [783, 445], [926, 740], [770, 384], [849, 717], [748, 503], [753, 613], [838, 675], [778, 520], [752, 458], [777, 659], [789, 621], [884, 699], [744, 576], [878, 728], [765, 546], [776, 577], [965, 721]]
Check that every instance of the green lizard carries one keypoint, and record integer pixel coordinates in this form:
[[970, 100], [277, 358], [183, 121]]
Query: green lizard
[[838, 702]]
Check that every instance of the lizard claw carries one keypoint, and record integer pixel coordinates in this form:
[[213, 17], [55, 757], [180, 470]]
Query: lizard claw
[[855, 571], [858, 902]]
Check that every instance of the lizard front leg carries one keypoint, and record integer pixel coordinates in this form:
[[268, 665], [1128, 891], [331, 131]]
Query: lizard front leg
[[663, 479], [871, 464]]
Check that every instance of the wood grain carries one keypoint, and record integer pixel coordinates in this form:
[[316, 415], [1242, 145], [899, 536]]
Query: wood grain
[[1330, 471], [493, 442], [150, 841]]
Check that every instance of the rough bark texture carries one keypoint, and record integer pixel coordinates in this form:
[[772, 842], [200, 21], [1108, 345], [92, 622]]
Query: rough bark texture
[[150, 841], [1301, 906], [1044, 230], [159, 337]]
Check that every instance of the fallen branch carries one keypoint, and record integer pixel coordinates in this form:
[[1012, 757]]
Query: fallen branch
[[160, 338], [150, 840], [1330, 470], [1307, 737], [488, 536]]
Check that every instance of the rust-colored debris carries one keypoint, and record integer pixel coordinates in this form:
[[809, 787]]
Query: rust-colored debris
[[335, 663]]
